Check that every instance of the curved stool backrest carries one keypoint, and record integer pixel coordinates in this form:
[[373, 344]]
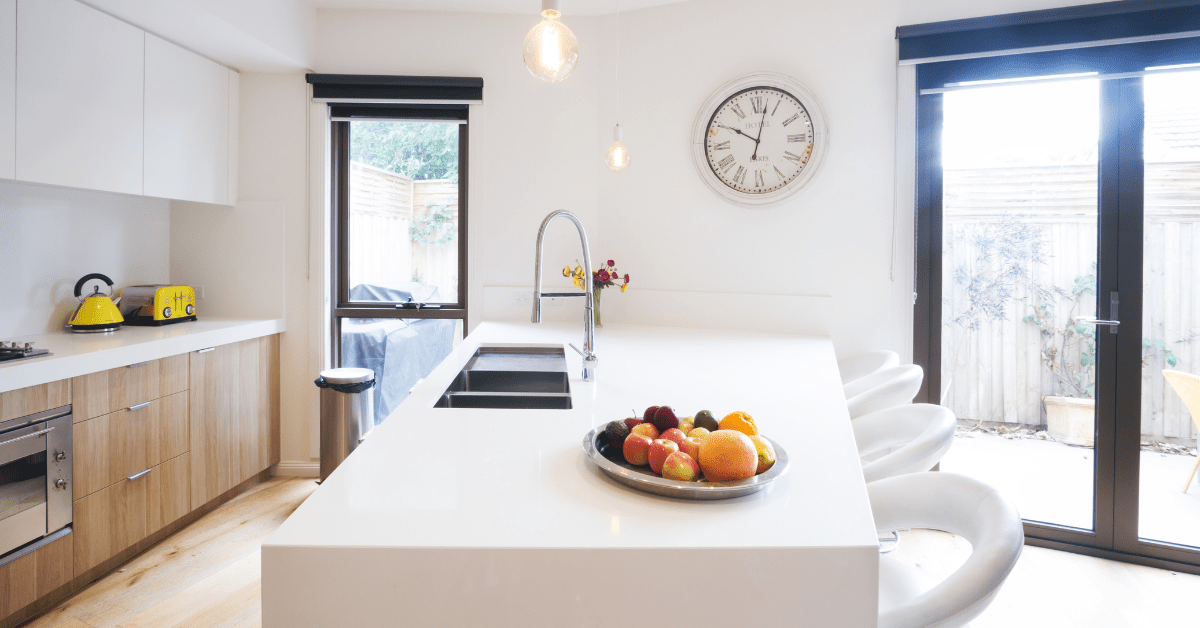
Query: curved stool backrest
[[886, 389], [1187, 386], [963, 506], [864, 364], [923, 432]]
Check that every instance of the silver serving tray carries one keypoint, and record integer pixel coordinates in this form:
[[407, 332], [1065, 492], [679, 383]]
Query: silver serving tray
[[643, 479]]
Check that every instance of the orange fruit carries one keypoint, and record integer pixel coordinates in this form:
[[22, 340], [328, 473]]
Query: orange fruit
[[739, 421], [727, 455], [765, 452]]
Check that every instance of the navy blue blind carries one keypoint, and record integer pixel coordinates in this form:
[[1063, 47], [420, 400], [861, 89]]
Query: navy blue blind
[[1079, 26], [380, 88]]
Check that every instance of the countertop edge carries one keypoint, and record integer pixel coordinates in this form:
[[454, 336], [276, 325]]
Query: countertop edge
[[37, 371]]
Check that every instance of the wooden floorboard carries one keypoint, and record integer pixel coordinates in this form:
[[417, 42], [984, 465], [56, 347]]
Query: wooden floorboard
[[208, 575]]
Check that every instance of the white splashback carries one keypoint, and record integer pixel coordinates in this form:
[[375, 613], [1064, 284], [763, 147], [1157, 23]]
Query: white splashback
[[53, 236]]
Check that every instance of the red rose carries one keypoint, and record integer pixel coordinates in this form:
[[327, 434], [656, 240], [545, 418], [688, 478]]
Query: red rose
[[604, 276], [611, 263], [626, 277]]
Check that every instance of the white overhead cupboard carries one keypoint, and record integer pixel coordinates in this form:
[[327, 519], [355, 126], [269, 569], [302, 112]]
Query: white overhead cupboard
[[102, 105]]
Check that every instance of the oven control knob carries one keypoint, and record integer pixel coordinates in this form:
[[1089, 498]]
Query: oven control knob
[[166, 312], [60, 456], [60, 484]]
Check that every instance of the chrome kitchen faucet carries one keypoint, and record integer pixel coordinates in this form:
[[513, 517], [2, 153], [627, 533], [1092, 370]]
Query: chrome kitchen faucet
[[589, 322]]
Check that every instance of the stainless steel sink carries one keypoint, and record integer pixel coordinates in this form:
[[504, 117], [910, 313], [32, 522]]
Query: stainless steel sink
[[518, 377]]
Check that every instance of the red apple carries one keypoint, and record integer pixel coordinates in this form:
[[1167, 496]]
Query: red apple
[[698, 432], [646, 429], [675, 435], [632, 423], [680, 466], [636, 448], [691, 447], [649, 413], [664, 419], [659, 450]]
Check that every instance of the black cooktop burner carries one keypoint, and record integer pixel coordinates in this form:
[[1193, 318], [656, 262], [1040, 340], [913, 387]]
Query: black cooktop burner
[[15, 351]]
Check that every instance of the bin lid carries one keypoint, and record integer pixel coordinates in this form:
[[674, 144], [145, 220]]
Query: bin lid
[[348, 376]]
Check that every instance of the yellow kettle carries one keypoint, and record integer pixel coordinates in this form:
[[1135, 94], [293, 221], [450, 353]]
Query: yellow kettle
[[97, 312]]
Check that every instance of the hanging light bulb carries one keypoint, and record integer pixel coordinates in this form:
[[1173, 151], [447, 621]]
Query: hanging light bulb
[[550, 48], [617, 157]]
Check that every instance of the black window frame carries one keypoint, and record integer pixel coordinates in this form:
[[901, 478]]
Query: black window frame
[[341, 305], [1116, 506]]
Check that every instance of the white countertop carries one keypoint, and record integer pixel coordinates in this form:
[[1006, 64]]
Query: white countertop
[[72, 354], [432, 477]]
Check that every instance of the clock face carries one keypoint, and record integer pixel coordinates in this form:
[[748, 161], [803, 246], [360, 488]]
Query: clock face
[[759, 140]]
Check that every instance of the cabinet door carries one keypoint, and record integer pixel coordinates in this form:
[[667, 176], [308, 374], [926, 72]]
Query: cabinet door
[[214, 404], [258, 424], [34, 575], [186, 125], [109, 521], [167, 493], [79, 97], [8, 89]]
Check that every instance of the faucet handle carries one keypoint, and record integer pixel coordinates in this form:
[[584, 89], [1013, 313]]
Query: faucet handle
[[572, 345]]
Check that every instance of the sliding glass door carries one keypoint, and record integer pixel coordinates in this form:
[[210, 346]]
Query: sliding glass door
[[1059, 287]]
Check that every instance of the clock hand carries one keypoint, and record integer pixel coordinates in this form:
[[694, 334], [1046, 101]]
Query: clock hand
[[735, 131], [760, 132]]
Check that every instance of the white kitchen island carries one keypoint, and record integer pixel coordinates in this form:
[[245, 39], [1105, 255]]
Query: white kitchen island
[[473, 517]]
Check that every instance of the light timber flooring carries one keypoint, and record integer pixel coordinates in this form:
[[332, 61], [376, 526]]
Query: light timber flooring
[[207, 576]]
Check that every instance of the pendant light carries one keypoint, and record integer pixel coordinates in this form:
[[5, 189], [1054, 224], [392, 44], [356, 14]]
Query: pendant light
[[550, 48], [617, 157]]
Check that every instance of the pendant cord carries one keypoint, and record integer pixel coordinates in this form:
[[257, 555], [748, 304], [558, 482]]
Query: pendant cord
[[617, 70]]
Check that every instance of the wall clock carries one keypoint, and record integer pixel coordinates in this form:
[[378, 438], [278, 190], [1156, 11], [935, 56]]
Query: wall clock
[[758, 139]]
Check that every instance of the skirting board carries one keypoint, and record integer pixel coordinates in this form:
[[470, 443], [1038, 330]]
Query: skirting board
[[298, 469], [794, 314]]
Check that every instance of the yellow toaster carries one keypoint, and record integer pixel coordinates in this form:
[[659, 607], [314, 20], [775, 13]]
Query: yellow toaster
[[158, 304]]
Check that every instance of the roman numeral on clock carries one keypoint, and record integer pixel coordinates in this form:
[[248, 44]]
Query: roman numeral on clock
[[758, 178], [757, 103], [795, 116], [738, 110], [803, 137], [726, 164], [777, 103], [739, 177], [777, 172], [721, 146], [790, 157]]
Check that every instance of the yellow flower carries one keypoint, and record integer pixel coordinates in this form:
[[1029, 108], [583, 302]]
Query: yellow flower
[[575, 280], [624, 286], [579, 270], [566, 271]]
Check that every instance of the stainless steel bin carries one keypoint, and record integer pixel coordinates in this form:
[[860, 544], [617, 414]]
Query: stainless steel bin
[[347, 413]]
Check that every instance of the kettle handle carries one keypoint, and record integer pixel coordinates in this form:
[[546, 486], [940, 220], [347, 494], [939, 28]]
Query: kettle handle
[[87, 278]]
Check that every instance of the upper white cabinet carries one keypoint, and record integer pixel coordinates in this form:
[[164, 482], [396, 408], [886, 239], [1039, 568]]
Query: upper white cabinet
[[186, 124], [8, 89], [79, 97]]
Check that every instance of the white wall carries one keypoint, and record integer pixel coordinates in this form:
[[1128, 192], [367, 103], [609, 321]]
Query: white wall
[[537, 147], [53, 236]]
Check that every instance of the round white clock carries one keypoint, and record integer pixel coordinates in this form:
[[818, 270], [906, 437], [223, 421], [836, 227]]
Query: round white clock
[[758, 139]]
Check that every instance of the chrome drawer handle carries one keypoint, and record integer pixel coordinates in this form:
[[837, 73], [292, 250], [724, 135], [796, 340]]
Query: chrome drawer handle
[[139, 406], [138, 475], [207, 350], [130, 366], [9, 442]]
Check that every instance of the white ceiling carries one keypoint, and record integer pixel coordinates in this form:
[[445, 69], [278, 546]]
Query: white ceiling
[[532, 7]]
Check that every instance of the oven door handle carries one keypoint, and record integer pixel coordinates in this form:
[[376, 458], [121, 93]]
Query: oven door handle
[[30, 435]]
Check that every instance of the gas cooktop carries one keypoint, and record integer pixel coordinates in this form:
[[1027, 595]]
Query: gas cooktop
[[15, 351]]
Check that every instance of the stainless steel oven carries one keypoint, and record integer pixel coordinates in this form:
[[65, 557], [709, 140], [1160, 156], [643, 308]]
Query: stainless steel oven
[[35, 477]]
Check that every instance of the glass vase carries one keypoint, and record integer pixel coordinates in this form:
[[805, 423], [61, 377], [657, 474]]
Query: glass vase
[[596, 307]]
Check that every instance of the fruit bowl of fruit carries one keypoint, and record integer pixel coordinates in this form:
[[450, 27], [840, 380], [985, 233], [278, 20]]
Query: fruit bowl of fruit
[[696, 457]]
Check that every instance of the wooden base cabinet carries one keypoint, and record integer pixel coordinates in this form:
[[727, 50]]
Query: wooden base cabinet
[[112, 447], [234, 415], [35, 574]]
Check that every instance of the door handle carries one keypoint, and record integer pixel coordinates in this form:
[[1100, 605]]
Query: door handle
[[1096, 321]]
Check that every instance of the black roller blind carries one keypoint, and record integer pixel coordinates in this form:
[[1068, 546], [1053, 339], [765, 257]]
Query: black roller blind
[[408, 89]]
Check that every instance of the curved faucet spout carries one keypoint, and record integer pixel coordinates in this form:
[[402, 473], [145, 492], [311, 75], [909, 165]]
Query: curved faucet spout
[[589, 321]]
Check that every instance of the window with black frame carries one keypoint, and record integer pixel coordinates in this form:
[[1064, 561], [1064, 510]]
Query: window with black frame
[[399, 233], [1058, 295]]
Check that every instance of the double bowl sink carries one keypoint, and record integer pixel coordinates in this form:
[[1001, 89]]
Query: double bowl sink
[[514, 377]]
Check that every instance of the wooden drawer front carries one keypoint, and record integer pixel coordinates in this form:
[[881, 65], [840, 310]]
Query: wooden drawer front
[[34, 575], [108, 391], [168, 497], [109, 521], [112, 447], [23, 401], [115, 518]]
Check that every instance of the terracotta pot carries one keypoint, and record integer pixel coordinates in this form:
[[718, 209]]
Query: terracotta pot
[[1071, 420]]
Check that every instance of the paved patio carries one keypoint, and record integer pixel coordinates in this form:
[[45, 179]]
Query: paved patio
[[1052, 482]]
